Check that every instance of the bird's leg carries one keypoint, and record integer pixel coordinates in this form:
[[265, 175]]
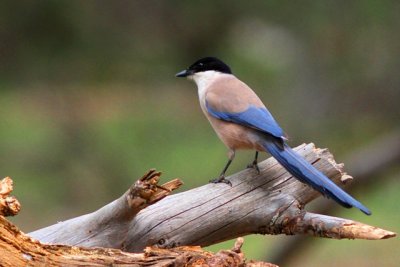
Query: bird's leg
[[254, 164], [221, 178]]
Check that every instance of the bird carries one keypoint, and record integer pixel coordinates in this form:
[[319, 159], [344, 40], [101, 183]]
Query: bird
[[242, 121]]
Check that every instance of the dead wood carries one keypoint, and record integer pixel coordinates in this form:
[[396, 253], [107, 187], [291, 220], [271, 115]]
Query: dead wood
[[269, 203]]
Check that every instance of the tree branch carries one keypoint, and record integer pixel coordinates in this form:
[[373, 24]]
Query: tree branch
[[333, 227], [269, 203]]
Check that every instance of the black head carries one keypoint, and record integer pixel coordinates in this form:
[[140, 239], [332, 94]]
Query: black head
[[205, 64]]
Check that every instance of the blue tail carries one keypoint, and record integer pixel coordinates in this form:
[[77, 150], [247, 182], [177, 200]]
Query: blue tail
[[306, 173]]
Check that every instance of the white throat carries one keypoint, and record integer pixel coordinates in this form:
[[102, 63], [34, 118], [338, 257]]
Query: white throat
[[204, 79]]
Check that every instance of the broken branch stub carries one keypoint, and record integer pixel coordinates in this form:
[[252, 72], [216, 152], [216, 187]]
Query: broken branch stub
[[9, 205]]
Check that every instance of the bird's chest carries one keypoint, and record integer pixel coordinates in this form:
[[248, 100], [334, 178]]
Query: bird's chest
[[232, 135]]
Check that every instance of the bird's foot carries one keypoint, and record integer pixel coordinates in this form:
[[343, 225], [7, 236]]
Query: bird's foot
[[221, 179], [254, 165]]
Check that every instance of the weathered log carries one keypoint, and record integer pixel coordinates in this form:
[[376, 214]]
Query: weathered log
[[269, 203]]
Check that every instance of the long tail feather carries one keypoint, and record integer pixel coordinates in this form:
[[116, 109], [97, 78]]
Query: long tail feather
[[306, 173]]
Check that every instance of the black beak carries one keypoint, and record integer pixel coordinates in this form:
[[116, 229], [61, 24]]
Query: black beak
[[184, 73]]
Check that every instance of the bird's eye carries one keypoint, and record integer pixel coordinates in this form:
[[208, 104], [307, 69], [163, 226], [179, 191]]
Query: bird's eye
[[201, 64]]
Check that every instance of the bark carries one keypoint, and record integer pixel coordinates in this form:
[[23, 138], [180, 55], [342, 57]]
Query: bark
[[271, 202]]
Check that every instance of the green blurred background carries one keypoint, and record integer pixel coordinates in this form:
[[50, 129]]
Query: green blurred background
[[89, 100]]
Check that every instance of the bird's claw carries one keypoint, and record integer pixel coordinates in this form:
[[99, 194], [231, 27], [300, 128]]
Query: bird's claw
[[254, 165], [221, 179]]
